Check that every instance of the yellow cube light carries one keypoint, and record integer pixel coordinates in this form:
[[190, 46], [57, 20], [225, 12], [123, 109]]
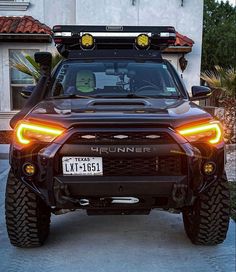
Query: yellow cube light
[[87, 41], [142, 41]]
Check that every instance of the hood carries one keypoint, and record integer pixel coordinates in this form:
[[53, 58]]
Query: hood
[[71, 112]]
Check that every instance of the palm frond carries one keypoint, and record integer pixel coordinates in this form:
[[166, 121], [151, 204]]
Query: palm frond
[[27, 65], [23, 64], [224, 80], [56, 58], [32, 62]]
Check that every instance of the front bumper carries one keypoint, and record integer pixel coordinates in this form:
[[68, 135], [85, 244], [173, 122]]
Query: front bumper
[[165, 191]]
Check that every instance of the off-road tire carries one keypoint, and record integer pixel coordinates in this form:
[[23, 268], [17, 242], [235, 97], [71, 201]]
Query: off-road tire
[[206, 223], [27, 216]]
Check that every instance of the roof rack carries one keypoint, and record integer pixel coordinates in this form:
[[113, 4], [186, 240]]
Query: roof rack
[[79, 37]]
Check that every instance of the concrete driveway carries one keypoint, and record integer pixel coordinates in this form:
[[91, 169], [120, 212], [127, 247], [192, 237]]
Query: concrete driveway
[[115, 243]]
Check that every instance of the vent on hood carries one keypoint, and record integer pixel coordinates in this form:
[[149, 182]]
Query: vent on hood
[[118, 103]]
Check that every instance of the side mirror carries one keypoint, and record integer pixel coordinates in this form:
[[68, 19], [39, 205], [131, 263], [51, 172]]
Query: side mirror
[[44, 59], [27, 91], [200, 92]]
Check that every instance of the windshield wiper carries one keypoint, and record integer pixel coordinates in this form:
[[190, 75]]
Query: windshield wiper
[[70, 96], [122, 96], [133, 95], [168, 96], [130, 95]]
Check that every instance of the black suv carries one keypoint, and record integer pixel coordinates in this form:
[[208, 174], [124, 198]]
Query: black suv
[[112, 130]]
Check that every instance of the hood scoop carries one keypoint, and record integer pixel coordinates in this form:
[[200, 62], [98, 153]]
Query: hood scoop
[[119, 104]]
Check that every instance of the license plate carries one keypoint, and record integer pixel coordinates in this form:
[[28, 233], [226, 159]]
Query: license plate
[[82, 166]]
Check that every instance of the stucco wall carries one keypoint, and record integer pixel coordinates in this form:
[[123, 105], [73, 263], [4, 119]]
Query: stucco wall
[[187, 20]]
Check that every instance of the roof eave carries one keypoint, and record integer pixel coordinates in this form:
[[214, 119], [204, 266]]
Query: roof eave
[[178, 49], [25, 37]]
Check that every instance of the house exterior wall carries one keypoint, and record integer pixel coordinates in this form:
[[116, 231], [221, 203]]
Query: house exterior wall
[[187, 19]]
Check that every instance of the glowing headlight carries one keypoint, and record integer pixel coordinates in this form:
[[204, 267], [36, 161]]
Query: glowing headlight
[[26, 132], [87, 41], [210, 132], [142, 41]]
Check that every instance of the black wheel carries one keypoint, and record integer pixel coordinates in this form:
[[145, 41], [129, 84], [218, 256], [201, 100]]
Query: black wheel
[[206, 223], [27, 216]]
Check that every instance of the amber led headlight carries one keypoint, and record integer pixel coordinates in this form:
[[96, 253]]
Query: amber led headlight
[[27, 132], [209, 132]]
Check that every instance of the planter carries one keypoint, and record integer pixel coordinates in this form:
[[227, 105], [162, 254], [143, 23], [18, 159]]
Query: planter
[[6, 136]]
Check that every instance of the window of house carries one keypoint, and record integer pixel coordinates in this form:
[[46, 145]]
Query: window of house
[[19, 80]]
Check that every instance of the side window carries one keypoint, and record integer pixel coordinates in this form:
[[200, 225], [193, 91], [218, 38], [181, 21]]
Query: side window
[[18, 79]]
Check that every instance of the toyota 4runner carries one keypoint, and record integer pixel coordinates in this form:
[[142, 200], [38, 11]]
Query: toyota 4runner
[[112, 130]]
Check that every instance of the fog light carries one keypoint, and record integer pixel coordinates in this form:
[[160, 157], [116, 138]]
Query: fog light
[[209, 168], [29, 169]]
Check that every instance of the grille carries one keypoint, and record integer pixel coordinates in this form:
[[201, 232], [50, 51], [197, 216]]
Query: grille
[[156, 166], [120, 138]]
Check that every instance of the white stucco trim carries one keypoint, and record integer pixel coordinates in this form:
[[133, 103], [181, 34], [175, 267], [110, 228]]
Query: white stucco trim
[[14, 6]]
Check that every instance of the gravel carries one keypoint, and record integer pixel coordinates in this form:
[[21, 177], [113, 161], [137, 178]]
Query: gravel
[[117, 243]]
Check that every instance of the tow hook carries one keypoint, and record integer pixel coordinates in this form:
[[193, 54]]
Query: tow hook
[[111, 200], [179, 193], [124, 200], [84, 202]]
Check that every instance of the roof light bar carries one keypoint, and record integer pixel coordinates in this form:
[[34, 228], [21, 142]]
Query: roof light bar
[[62, 34], [167, 34], [69, 37], [115, 34]]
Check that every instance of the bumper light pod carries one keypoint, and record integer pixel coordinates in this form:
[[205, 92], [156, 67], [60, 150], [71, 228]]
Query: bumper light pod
[[209, 168], [29, 169]]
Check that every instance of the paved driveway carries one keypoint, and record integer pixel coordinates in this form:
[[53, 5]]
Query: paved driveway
[[115, 243]]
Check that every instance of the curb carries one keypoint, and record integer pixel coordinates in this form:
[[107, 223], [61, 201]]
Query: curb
[[4, 156], [231, 147], [4, 174], [4, 151]]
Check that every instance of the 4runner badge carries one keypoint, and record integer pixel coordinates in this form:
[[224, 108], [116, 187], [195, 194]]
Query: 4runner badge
[[107, 150]]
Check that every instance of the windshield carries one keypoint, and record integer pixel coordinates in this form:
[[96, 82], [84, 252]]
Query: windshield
[[114, 78]]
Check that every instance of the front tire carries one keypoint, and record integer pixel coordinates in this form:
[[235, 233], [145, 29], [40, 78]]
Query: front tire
[[27, 216], [206, 223]]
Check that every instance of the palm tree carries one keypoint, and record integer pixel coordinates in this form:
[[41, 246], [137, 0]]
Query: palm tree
[[223, 83], [27, 65]]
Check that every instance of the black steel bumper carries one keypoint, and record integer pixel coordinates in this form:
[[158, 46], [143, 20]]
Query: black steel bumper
[[167, 191]]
